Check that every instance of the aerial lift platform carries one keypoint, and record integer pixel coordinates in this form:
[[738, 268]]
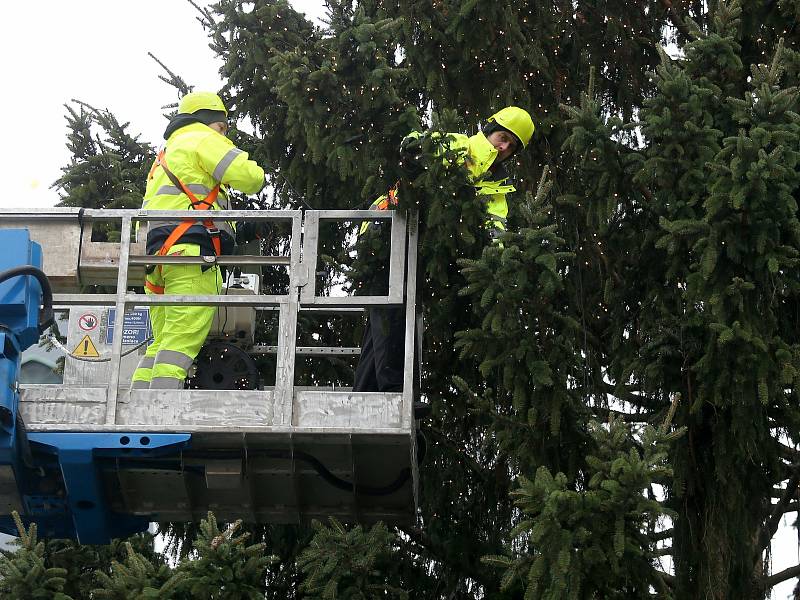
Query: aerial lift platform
[[93, 460]]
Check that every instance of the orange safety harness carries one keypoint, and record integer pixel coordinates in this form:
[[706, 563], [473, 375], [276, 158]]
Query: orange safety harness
[[382, 203], [391, 198], [186, 224]]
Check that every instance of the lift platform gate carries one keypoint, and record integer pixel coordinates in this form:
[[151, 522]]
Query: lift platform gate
[[279, 454]]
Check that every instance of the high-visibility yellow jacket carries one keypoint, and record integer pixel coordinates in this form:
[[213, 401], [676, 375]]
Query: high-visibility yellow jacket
[[477, 154], [200, 158]]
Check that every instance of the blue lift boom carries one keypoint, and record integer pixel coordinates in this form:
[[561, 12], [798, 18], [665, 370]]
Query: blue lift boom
[[52, 478]]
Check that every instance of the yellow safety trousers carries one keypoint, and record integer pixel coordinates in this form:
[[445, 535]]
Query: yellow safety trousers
[[178, 331]]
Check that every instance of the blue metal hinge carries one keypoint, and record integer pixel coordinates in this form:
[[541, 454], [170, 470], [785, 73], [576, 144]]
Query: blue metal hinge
[[92, 517]]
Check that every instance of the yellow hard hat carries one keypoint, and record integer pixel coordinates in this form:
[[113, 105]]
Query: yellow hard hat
[[195, 101], [517, 121]]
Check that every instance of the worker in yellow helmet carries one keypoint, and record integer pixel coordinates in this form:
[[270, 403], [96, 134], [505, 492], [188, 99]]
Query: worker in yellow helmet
[[193, 171], [380, 366]]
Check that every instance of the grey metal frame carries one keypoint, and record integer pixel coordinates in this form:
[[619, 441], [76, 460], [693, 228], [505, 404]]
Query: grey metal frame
[[301, 261], [397, 257]]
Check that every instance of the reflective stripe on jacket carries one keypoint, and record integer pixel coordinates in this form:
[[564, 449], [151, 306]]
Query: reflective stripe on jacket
[[478, 155], [201, 158]]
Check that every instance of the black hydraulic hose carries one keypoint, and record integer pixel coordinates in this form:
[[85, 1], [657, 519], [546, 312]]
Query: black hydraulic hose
[[46, 317], [362, 490]]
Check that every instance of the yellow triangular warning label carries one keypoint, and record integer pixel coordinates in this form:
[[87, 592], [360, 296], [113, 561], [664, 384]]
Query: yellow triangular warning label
[[86, 348]]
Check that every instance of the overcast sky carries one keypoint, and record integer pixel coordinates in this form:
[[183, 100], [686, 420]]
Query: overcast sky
[[96, 51]]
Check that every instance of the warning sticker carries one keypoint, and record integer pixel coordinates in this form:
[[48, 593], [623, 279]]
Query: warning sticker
[[88, 322], [86, 348]]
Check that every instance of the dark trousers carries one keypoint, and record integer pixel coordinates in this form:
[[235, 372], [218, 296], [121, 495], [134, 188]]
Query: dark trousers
[[380, 366]]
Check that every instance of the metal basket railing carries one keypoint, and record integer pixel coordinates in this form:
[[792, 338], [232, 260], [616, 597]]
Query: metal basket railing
[[62, 233]]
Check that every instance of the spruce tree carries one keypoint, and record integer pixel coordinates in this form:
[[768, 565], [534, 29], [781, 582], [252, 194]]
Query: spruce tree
[[85, 564], [702, 313], [351, 565], [600, 540], [223, 566], [657, 259], [137, 578], [24, 573], [109, 166]]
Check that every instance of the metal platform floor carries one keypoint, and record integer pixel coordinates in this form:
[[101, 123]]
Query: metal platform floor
[[252, 456]]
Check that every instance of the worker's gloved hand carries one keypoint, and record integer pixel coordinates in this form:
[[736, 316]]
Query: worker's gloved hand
[[252, 230], [411, 165], [411, 156], [411, 144]]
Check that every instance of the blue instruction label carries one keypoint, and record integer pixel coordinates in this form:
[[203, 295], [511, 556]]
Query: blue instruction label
[[136, 328]]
